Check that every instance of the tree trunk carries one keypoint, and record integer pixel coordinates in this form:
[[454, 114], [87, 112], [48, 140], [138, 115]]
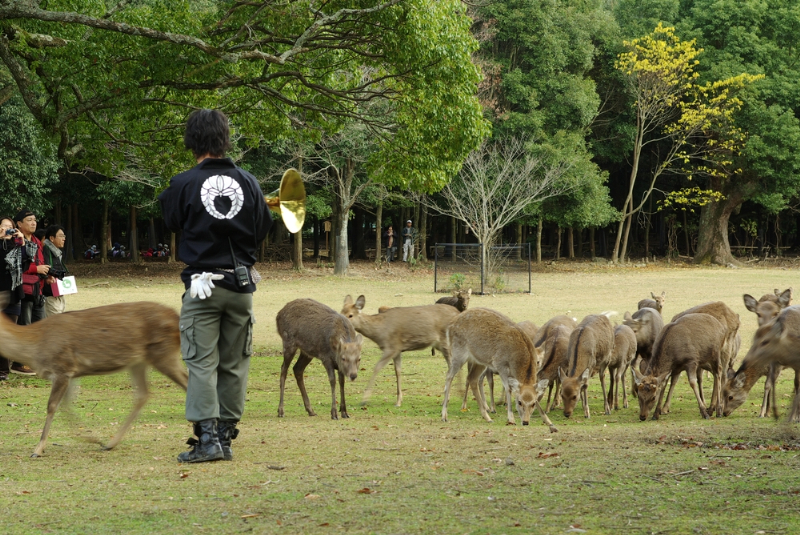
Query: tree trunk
[[571, 243], [134, 238], [539, 242], [378, 232], [423, 232], [173, 250], [341, 258], [591, 241], [712, 243], [151, 234], [518, 240], [104, 231], [686, 235], [558, 246], [297, 250]]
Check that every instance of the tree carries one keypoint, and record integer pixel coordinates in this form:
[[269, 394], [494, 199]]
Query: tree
[[759, 37], [29, 167], [498, 181], [688, 125], [113, 84]]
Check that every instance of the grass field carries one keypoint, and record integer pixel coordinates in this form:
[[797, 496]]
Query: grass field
[[402, 470]]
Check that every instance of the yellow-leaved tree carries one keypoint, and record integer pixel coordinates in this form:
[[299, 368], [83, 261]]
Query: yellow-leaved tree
[[688, 125]]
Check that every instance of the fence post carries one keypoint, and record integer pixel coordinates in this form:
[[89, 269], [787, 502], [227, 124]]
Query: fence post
[[530, 287]]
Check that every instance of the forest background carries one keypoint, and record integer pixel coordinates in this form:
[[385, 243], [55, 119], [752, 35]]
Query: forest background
[[590, 128]]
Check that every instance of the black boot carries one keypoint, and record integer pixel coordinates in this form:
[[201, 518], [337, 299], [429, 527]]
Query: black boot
[[227, 432], [206, 446]]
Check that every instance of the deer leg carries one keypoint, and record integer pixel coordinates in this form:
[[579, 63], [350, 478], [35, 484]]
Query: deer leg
[[661, 389], [585, 400], [288, 355], [343, 406], [509, 402], [673, 380], [452, 370], [490, 381], [466, 388], [794, 414], [385, 358], [473, 379], [606, 408], [139, 378], [332, 381], [769, 384], [397, 363], [556, 396], [172, 367], [694, 384], [545, 419], [299, 367], [57, 390]]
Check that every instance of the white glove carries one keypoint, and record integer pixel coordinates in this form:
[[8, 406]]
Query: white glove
[[201, 284]]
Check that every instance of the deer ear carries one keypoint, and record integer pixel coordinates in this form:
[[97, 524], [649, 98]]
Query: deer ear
[[785, 298], [469, 292], [360, 302], [348, 300], [652, 295], [561, 375], [541, 386], [359, 339], [627, 316], [738, 381], [637, 376], [750, 302], [663, 295]]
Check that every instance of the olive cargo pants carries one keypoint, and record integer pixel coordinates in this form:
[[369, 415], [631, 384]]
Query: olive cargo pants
[[217, 342]]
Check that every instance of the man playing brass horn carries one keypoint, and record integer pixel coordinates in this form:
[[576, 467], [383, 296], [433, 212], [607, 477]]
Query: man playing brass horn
[[221, 213]]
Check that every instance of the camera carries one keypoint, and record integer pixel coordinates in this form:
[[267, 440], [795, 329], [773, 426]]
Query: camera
[[11, 232], [57, 273], [242, 275]]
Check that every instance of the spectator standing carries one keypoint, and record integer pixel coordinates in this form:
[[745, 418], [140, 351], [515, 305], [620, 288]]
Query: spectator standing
[[221, 214], [389, 241], [10, 276], [34, 270], [55, 237], [409, 236]]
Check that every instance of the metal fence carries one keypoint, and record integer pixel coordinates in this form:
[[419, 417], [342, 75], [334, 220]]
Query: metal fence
[[503, 269]]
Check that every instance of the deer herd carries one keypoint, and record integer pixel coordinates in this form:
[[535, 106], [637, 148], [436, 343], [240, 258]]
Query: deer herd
[[559, 358]]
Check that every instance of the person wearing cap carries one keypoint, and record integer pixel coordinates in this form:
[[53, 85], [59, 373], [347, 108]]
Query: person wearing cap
[[409, 235], [222, 217]]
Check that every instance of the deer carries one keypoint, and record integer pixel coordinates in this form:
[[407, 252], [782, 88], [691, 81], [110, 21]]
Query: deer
[[645, 323], [691, 342], [730, 345], [529, 328], [555, 348], [591, 345], [766, 309], [625, 348], [122, 336], [492, 341], [319, 332], [400, 329], [776, 342], [459, 299], [656, 303]]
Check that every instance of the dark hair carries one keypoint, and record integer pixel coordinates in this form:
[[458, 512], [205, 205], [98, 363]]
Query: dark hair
[[207, 133], [52, 230]]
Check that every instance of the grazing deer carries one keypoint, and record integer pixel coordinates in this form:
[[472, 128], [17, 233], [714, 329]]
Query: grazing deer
[[621, 358], [400, 329], [97, 341], [730, 345], [590, 347], [645, 323], [689, 343], [318, 331], [490, 340], [556, 355], [459, 299], [656, 303], [528, 328], [777, 342], [766, 309]]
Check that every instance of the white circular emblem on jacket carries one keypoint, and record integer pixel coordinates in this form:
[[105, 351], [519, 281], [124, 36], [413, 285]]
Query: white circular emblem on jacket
[[222, 186]]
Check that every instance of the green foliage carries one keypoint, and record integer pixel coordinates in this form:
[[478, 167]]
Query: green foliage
[[457, 280], [689, 198], [28, 167]]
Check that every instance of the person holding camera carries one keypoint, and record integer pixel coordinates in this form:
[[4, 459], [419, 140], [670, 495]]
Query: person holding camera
[[55, 237], [35, 273], [11, 241], [222, 215]]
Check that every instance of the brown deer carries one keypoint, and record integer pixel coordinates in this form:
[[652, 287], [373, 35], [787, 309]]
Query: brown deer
[[97, 341], [656, 303], [556, 355], [490, 340], [766, 309], [645, 323], [459, 299], [318, 331], [691, 342], [400, 329], [776, 343], [621, 358], [590, 347]]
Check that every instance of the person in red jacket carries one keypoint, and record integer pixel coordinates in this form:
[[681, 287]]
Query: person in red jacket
[[34, 270]]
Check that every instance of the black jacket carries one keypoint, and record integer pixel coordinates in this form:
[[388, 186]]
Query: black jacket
[[210, 203]]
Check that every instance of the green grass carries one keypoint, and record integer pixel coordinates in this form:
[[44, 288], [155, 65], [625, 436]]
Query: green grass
[[402, 470]]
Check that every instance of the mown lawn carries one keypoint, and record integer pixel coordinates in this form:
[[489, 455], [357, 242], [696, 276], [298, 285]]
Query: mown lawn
[[402, 470]]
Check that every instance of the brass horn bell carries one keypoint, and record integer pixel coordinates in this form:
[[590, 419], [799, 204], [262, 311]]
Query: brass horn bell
[[290, 200]]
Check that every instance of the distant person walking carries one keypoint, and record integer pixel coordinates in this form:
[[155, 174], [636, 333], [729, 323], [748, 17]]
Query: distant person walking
[[409, 236]]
